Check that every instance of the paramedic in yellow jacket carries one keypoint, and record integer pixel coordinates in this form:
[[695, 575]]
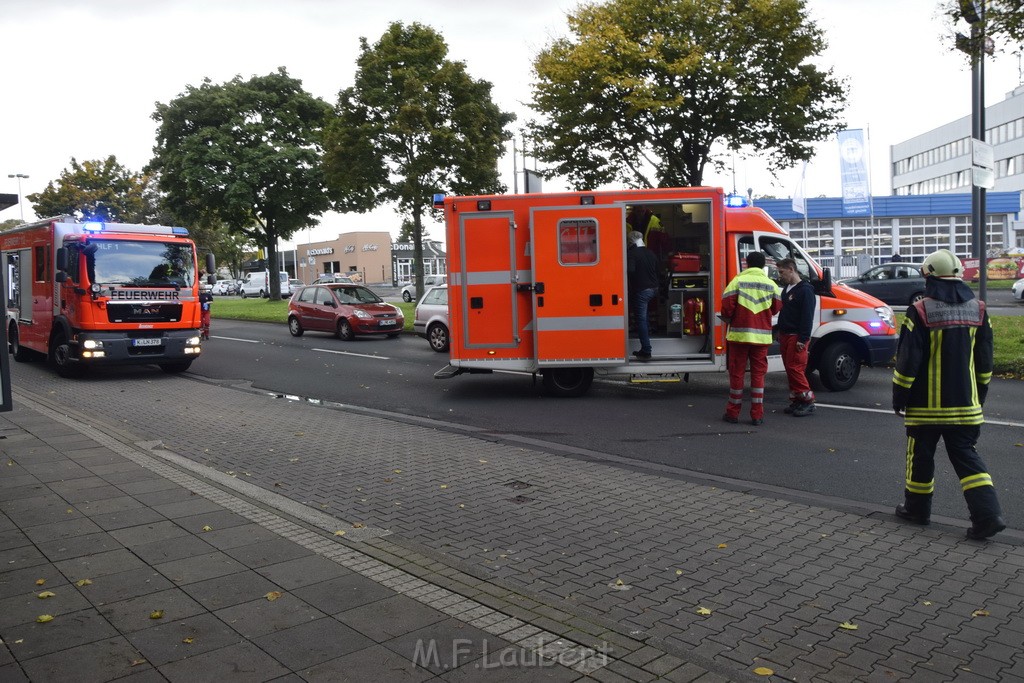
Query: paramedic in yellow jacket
[[943, 368], [748, 304]]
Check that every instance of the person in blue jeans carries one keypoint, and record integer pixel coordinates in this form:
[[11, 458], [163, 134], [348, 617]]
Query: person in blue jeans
[[642, 273]]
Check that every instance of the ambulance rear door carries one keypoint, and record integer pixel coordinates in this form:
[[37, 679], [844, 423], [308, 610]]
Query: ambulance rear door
[[579, 285], [488, 280]]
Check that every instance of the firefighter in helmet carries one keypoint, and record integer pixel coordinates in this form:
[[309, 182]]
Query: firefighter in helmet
[[943, 368]]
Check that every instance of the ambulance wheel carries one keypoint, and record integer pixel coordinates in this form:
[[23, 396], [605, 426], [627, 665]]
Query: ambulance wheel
[[839, 367], [176, 367], [568, 382], [345, 331], [60, 357], [295, 327]]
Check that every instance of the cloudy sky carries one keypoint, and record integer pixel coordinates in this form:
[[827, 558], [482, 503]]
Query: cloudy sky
[[81, 77]]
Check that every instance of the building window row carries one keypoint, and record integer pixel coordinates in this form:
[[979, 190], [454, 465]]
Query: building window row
[[996, 135], [943, 183]]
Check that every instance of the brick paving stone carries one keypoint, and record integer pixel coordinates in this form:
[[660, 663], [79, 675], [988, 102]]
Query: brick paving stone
[[166, 642], [242, 661]]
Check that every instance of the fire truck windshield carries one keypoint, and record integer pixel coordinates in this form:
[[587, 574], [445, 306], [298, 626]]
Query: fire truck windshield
[[139, 263]]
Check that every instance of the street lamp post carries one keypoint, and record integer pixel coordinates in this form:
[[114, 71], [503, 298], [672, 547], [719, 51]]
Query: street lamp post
[[21, 207]]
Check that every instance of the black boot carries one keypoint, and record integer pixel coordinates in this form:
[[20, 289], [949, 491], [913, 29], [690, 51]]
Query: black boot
[[917, 518], [916, 508], [979, 531]]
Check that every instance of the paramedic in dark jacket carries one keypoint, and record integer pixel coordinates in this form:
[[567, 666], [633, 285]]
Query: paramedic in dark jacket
[[943, 368], [795, 323], [642, 273]]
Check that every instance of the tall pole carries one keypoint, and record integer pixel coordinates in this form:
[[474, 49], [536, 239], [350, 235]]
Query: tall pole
[[978, 194], [21, 205]]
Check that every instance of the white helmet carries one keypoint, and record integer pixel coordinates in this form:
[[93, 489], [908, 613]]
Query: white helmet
[[944, 264]]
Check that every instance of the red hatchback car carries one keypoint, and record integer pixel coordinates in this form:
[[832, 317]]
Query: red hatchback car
[[346, 310]]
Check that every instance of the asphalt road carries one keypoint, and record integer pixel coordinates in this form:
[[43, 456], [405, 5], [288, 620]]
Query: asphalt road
[[852, 449]]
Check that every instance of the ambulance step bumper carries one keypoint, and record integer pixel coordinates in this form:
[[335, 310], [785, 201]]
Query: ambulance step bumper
[[449, 371], [649, 377]]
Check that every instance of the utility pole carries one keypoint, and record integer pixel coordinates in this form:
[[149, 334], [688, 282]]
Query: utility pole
[[982, 166]]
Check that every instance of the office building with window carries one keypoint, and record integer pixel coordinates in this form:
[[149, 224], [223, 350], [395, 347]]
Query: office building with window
[[912, 226], [939, 161]]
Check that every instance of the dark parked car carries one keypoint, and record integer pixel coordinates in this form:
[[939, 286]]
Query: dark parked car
[[897, 284], [346, 310]]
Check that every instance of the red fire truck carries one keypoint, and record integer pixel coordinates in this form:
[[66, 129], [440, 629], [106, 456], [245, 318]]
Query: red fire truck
[[86, 294], [537, 283]]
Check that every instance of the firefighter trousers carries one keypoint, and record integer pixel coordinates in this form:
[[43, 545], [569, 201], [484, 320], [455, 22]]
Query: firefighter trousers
[[975, 481], [795, 361], [738, 355]]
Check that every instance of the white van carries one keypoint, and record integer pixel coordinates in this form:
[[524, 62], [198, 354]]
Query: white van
[[258, 284]]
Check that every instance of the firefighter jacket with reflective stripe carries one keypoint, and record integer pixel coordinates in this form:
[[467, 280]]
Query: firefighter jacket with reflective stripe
[[748, 303], [943, 363]]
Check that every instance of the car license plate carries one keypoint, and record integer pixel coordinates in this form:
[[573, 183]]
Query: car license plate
[[147, 341], [385, 323]]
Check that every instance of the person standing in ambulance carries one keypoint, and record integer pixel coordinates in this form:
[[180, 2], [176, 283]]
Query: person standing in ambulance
[[748, 304], [642, 275]]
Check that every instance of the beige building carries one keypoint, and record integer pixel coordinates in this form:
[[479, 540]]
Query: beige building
[[363, 256]]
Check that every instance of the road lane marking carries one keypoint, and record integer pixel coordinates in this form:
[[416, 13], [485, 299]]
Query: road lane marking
[[1001, 423], [349, 353], [247, 341]]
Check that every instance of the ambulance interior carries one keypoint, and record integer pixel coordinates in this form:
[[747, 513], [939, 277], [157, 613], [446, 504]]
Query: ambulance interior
[[680, 318]]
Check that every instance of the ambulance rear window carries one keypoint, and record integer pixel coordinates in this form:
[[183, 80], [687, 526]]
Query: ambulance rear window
[[577, 241]]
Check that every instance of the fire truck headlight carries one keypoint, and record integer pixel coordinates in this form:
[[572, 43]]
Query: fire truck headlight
[[95, 288], [92, 344], [885, 313], [192, 341]]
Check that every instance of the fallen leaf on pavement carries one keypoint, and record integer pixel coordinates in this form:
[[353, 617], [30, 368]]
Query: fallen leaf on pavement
[[722, 545], [156, 614], [979, 613], [272, 595], [848, 626], [46, 594], [927, 602], [444, 486], [137, 662], [357, 525], [484, 461], [207, 528], [188, 641], [398, 471], [703, 610], [40, 582], [43, 618], [763, 671], [339, 533], [83, 582], [679, 572]]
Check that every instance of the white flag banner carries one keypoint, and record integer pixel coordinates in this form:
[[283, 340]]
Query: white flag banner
[[799, 203]]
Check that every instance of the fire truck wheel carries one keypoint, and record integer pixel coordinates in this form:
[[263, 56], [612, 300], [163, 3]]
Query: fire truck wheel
[[839, 366], [176, 367], [20, 353], [568, 382], [295, 327], [437, 335], [345, 331], [60, 356]]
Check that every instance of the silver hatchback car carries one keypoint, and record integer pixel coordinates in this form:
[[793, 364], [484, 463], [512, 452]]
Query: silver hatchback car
[[431, 318]]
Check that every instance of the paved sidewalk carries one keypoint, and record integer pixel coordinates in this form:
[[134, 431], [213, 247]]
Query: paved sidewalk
[[149, 573], [677, 578]]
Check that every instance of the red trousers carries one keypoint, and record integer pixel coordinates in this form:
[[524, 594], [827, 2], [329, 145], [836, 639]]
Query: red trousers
[[204, 323], [795, 361], [738, 354]]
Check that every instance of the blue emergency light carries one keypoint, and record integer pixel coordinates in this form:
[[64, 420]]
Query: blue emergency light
[[736, 201], [438, 201], [93, 226]]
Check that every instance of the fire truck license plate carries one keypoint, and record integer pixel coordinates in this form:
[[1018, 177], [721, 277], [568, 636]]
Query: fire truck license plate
[[385, 323], [147, 341]]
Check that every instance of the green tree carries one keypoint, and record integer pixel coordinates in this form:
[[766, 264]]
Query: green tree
[[245, 154], [642, 92], [10, 223], [1004, 21], [413, 124], [101, 189]]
